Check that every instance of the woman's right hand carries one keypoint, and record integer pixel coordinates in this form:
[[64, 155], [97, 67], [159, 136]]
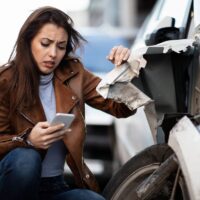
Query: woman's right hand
[[43, 135]]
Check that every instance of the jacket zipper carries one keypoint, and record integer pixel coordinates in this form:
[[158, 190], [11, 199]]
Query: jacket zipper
[[18, 138], [13, 139]]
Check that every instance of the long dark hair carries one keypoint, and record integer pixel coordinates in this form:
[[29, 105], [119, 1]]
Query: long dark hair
[[25, 82]]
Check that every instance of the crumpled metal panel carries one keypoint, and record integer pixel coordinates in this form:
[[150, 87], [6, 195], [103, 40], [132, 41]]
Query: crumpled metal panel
[[116, 84]]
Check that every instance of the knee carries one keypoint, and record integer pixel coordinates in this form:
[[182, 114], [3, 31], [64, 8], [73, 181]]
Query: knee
[[24, 162]]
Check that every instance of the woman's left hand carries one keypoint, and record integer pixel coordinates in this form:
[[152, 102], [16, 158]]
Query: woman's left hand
[[118, 55]]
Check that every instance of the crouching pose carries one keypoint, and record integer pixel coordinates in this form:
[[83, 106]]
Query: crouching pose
[[41, 78]]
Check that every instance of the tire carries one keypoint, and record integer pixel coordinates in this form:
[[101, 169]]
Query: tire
[[123, 184]]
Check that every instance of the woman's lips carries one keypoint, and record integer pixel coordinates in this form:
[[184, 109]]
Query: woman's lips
[[49, 64]]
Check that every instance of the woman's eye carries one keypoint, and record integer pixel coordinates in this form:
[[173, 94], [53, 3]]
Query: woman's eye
[[62, 47], [45, 44]]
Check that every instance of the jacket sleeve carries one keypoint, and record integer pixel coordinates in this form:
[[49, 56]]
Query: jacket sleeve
[[94, 99], [8, 138]]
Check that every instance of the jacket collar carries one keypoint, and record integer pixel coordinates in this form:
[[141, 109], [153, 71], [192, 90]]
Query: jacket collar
[[68, 71]]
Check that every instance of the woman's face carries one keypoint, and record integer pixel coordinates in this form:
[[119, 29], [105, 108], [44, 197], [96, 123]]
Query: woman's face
[[48, 47]]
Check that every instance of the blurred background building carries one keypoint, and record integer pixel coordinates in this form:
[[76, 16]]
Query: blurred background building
[[118, 13], [117, 17]]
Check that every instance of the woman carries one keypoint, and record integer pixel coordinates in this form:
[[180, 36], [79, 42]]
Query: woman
[[42, 78]]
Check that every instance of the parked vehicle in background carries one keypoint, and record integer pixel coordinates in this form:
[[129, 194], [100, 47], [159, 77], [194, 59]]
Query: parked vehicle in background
[[171, 78]]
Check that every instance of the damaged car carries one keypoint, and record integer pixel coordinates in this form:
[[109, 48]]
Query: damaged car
[[161, 76]]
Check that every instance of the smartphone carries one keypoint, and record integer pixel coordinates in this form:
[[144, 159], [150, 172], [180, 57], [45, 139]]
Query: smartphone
[[64, 118]]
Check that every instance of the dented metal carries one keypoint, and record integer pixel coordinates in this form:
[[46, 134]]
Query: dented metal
[[117, 83]]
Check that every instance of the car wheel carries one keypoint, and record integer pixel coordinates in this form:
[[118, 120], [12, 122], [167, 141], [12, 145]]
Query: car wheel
[[124, 183]]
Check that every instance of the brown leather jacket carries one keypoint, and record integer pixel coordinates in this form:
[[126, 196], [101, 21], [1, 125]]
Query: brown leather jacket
[[74, 86]]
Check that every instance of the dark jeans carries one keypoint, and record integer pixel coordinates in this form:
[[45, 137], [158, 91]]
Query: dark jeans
[[20, 180]]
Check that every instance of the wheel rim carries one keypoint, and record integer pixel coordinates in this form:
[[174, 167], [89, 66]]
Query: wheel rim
[[126, 189]]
